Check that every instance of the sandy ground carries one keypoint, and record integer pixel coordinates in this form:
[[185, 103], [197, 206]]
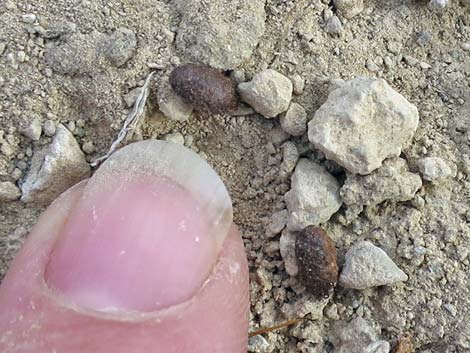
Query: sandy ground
[[423, 54]]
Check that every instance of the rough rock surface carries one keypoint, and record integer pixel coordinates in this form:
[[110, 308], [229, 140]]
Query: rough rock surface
[[349, 8], [222, 34], [368, 266], [352, 337], [9, 191], [294, 120], [314, 195], [434, 169], [392, 181], [277, 223], [378, 347], [55, 169], [362, 123], [268, 93]]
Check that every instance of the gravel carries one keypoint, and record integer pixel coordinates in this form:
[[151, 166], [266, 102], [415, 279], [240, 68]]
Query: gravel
[[268, 93]]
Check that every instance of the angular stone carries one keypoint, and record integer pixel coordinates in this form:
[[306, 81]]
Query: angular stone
[[219, 33], [362, 123], [368, 266], [268, 93], [55, 169], [434, 169], [314, 196], [277, 223], [34, 130], [392, 181]]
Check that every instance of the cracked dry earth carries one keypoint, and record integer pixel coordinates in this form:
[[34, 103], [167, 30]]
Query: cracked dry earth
[[78, 63]]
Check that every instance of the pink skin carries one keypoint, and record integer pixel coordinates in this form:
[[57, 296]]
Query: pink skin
[[33, 318]]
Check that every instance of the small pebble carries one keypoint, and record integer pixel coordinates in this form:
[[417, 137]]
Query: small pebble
[[423, 38], [438, 5], [316, 258], [368, 266], [34, 130], [209, 90], [434, 169], [71, 126], [174, 137], [49, 128], [28, 18], [9, 191], [258, 344], [294, 120], [21, 55], [334, 26], [269, 93], [464, 46], [88, 147], [349, 8], [298, 84]]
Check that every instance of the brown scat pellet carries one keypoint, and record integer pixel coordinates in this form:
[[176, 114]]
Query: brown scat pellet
[[316, 259], [208, 89]]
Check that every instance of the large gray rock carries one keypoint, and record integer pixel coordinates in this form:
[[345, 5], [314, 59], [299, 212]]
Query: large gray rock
[[378, 347], [314, 196], [392, 181], [368, 266], [363, 122], [55, 169], [434, 169], [268, 93], [220, 33]]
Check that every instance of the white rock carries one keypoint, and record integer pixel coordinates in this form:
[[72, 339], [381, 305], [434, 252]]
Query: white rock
[[378, 347], [434, 169], [349, 8], [172, 105], [55, 169], [34, 130], [49, 128], [175, 137], [314, 196], [392, 181], [9, 191], [352, 337], [268, 93], [363, 122], [294, 120], [438, 5], [287, 249], [368, 266]]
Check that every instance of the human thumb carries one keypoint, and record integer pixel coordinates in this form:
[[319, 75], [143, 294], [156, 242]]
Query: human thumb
[[142, 257]]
